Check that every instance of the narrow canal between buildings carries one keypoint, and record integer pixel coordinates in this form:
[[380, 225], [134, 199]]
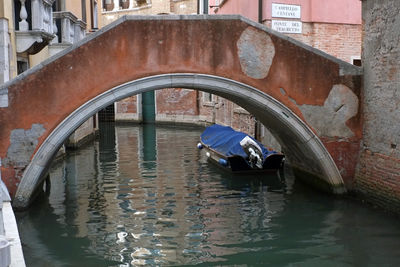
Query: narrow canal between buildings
[[145, 195]]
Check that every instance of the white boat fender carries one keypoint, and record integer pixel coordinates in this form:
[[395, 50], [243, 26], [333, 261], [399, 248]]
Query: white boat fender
[[208, 154], [199, 145], [223, 162]]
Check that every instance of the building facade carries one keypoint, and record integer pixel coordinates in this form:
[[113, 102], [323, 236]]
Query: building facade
[[378, 175], [33, 30], [331, 26]]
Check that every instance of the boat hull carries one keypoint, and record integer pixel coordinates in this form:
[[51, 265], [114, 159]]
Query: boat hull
[[237, 164]]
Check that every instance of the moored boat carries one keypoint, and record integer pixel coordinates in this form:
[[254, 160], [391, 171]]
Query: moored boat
[[237, 151]]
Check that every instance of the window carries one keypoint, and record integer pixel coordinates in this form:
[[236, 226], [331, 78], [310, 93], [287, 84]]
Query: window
[[58, 5], [357, 62], [141, 2], [124, 4], [22, 65], [108, 5]]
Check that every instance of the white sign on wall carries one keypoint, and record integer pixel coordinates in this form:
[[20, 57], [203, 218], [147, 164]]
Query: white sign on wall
[[286, 11], [287, 26]]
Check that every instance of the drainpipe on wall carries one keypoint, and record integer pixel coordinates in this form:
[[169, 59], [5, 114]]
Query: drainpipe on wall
[[202, 7], [260, 11]]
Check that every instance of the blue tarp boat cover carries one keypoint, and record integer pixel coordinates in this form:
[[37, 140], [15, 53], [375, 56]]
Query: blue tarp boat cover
[[226, 141]]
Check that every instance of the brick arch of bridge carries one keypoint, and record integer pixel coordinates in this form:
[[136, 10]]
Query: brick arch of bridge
[[308, 99]]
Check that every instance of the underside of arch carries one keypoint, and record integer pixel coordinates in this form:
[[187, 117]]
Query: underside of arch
[[303, 147]]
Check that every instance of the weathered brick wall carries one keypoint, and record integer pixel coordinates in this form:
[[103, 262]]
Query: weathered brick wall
[[176, 101], [127, 105], [339, 40], [243, 121], [225, 112], [378, 175], [378, 179]]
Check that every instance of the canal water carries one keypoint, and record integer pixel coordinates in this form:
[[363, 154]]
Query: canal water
[[145, 195]]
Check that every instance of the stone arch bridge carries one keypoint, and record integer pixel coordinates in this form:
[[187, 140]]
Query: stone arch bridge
[[309, 100]]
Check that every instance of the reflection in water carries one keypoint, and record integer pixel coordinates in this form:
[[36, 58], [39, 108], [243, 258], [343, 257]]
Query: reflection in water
[[143, 195]]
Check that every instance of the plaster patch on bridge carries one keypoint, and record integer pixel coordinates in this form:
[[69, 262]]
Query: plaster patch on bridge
[[330, 119], [256, 52], [22, 145]]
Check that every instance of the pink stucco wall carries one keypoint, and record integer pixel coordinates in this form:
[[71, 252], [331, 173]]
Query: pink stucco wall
[[247, 8], [323, 11]]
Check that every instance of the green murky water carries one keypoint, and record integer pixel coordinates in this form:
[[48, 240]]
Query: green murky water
[[144, 195]]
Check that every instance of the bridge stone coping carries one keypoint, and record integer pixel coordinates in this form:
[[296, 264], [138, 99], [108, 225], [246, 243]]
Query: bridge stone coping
[[255, 101], [3, 98]]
